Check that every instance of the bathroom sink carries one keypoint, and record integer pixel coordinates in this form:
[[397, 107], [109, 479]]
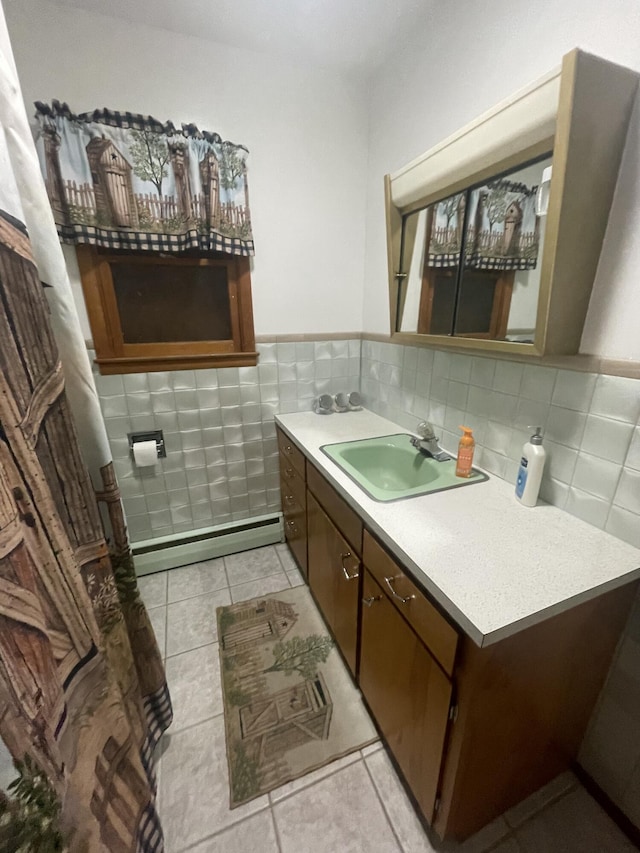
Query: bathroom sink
[[388, 468]]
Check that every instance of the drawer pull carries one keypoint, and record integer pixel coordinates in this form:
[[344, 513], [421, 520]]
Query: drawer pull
[[371, 600], [288, 450], [402, 599], [289, 500], [289, 472], [345, 571], [293, 527]]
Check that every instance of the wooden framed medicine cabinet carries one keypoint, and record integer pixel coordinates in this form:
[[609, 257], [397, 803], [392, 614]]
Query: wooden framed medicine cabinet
[[151, 312], [574, 119]]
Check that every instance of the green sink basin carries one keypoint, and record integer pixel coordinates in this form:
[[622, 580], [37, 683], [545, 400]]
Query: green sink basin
[[389, 468]]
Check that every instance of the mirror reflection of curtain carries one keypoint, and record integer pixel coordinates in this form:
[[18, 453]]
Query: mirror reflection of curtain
[[503, 229], [445, 234], [82, 686]]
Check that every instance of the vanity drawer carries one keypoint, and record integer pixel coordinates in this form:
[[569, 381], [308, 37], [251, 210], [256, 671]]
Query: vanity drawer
[[290, 452], [295, 530], [432, 628], [291, 483], [338, 510]]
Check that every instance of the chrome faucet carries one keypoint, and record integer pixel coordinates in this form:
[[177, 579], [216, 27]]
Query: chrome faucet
[[427, 443]]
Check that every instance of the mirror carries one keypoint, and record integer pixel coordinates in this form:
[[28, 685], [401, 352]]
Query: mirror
[[470, 263]]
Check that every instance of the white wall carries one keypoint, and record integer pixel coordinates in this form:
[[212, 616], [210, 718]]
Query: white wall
[[305, 129], [472, 55]]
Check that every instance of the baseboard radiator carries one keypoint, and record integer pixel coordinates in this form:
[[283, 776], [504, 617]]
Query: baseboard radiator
[[193, 546]]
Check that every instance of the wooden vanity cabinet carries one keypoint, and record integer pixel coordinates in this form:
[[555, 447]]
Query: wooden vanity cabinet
[[408, 693], [335, 537], [486, 726], [294, 499]]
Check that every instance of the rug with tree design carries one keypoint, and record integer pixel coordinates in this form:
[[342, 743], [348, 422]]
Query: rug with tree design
[[290, 705]]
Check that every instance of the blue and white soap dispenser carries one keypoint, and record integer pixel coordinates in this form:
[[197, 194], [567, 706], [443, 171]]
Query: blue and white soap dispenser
[[531, 468]]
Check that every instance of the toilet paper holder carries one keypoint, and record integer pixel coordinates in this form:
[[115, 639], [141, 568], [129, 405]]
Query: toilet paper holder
[[154, 435]]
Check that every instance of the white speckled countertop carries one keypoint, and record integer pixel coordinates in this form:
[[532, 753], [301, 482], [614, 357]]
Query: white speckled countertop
[[493, 565]]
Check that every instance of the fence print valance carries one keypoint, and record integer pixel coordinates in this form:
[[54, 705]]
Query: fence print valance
[[502, 228], [127, 181]]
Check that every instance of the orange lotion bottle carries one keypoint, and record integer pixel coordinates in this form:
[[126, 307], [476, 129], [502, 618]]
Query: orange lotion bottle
[[465, 453]]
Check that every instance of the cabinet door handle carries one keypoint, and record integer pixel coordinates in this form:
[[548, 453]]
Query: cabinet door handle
[[345, 571], [371, 600], [402, 599]]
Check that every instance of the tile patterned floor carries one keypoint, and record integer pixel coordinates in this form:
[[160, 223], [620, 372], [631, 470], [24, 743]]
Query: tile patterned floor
[[354, 804]]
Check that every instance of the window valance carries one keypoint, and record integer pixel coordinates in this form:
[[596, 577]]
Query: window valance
[[126, 181]]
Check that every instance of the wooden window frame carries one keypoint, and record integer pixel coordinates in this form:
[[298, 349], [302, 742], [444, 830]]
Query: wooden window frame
[[113, 355]]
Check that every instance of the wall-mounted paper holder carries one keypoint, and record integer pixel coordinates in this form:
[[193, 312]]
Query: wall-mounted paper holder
[[154, 435]]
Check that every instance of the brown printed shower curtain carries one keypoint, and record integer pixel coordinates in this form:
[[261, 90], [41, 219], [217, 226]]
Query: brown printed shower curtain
[[82, 687]]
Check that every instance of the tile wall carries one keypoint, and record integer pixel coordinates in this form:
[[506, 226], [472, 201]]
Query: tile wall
[[591, 422], [218, 425]]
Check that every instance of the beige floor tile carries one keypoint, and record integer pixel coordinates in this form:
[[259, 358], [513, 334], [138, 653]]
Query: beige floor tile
[[509, 846], [573, 824], [192, 623], [194, 787], [373, 747], [539, 799], [340, 813], [261, 586], [399, 810], [158, 619], [194, 684], [251, 565], [196, 579], [483, 840], [313, 777], [153, 589], [253, 835], [286, 558], [295, 578]]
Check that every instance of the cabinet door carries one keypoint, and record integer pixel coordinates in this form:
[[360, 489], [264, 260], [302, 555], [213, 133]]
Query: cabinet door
[[334, 579], [407, 692]]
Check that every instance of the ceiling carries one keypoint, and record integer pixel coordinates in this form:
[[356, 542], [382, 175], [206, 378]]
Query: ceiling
[[352, 36]]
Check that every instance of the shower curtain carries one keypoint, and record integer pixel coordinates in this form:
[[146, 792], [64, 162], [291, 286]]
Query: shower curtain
[[83, 694]]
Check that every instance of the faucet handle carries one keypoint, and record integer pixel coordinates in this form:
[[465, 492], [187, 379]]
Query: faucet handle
[[425, 431]]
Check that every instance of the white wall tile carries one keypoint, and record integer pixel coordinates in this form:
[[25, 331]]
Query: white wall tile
[[482, 372], [616, 397], [508, 377], [574, 390], [606, 438], [560, 461], [633, 456], [596, 476], [627, 494], [588, 507], [565, 426], [554, 491], [497, 437], [460, 367], [537, 383]]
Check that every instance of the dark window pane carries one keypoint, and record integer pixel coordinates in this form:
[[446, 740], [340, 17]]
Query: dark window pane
[[444, 299], [167, 303], [475, 305]]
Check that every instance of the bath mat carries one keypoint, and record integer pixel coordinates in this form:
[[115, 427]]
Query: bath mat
[[290, 705]]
